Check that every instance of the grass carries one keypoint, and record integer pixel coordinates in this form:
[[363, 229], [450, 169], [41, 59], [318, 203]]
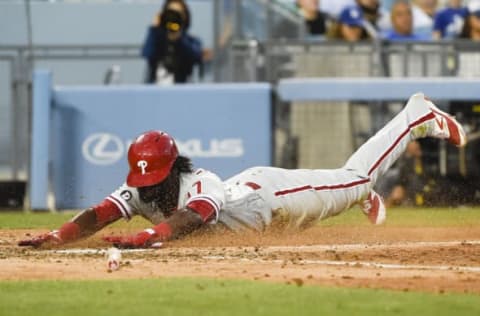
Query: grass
[[181, 296], [33, 220], [411, 217], [215, 297]]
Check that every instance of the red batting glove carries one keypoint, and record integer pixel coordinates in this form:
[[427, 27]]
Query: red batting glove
[[68, 232], [141, 240], [49, 238], [149, 238]]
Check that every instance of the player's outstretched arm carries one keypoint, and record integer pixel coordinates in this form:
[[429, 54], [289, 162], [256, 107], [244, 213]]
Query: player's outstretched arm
[[82, 225], [181, 222]]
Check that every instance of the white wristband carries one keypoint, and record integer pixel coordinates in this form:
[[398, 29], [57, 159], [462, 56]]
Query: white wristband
[[150, 231]]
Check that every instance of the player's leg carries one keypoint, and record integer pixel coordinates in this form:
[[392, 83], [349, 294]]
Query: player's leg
[[420, 118]]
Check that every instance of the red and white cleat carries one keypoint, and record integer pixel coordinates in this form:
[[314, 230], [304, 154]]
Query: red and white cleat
[[447, 127], [374, 208]]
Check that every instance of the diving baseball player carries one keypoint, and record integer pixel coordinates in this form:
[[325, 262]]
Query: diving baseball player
[[162, 187]]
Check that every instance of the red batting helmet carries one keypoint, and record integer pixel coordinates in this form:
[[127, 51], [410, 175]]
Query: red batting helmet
[[151, 156]]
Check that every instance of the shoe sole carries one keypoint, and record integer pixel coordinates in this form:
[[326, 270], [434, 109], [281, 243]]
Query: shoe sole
[[382, 213], [448, 117]]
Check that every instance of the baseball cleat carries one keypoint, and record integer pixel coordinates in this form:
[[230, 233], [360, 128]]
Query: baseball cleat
[[447, 127], [374, 208]]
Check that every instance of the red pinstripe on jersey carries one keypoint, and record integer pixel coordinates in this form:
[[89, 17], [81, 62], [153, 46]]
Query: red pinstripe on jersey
[[421, 120], [294, 190], [253, 185], [323, 187]]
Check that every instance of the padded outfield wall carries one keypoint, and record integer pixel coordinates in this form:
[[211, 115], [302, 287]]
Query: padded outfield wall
[[80, 134]]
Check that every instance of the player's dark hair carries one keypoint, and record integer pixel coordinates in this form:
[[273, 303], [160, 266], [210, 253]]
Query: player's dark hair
[[183, 164]]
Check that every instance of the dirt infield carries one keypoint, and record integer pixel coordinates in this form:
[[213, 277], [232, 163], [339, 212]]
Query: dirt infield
[[426, 259]]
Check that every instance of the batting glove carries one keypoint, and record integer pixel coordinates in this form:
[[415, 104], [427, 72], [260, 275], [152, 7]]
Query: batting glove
[[49, 238], [68, 232], [143, 239]]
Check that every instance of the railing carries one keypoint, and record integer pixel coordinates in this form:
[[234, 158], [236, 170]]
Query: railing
[[277, 59]]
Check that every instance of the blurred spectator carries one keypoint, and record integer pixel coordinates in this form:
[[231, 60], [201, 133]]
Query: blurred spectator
[[413, 187], [361, 21], [335, 7], [171, 53], [350, 26], [423, 12], [402, 23], [448, 22], [471, 27], [316, 20], [375, 14]]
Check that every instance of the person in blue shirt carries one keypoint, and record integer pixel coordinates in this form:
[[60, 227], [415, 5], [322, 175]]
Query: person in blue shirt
[[448, 22], [402, 23], [363, 20], [169, 50]]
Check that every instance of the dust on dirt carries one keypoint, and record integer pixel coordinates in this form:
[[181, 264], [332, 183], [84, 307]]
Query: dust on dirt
[[434, 259]]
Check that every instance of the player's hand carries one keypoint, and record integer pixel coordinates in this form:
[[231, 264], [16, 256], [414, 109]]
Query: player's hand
[[141, 240], [51, 238]]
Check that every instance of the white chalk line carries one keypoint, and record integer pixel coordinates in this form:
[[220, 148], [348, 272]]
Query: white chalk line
[[358, 264], [93, 251], [418, 244], [368, 264]]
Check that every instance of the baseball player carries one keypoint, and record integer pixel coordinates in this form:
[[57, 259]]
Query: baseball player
[[162, 187]]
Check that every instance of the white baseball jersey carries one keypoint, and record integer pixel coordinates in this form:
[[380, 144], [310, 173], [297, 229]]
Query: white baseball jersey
[[260, 196]]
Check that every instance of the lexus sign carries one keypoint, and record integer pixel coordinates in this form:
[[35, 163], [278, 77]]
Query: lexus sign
[[107, 149], [103, 148]]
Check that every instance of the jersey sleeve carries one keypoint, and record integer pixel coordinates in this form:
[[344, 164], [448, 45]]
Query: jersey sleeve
[[205, 195], [127, 200]]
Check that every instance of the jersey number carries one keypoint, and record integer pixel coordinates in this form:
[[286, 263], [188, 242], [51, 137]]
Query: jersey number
[[198, 184]]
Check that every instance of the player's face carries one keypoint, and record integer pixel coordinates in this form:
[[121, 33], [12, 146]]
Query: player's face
[[148, 194], [168, 188]]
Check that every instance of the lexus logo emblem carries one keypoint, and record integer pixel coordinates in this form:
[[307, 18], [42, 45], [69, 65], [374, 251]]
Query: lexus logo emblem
[[103, 148]]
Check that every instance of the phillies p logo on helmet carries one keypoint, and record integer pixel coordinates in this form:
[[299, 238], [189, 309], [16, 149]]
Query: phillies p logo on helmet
[[143, 165], [155, 150]]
